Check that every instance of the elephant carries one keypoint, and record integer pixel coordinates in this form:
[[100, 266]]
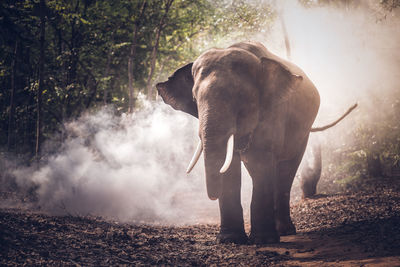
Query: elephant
[[253, 107], [310, 169]]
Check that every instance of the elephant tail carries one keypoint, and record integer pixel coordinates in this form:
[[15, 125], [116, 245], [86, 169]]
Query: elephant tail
[[323, 128]]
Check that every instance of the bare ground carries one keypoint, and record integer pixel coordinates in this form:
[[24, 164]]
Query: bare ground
[[356, 228]]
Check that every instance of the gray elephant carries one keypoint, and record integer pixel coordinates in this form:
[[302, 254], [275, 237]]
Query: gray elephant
[[253, 107], [310, 168]]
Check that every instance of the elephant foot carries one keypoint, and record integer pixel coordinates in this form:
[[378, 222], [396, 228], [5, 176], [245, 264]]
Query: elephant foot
[[286, 228], [229, 237], [264, 238]]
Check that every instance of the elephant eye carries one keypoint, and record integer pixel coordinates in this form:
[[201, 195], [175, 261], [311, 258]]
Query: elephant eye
[[194, 99]]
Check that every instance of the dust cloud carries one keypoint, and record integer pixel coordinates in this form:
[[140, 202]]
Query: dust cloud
[[351, 54], [126, 168]]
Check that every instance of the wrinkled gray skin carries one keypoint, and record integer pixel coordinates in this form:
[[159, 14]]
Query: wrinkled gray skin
[[310, 168], [269, 104]]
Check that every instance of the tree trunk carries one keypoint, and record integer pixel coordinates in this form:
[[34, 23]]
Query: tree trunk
[[10, 136], [286, 36], [92, 86], [284, 30], [107, 71], [132, 56], [41, 74], [149, 85], [74, 47]]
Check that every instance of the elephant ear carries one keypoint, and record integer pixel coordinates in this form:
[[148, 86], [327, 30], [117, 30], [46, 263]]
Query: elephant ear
[[278, 80], [177, 91]]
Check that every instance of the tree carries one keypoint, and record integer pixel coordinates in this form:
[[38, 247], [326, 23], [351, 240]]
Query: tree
[[39, 119], [72, 56], [12, 96], [133, 54], [154, 51]]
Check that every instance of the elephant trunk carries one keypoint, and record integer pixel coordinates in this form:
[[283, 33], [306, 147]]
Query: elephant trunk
[[216, 131], [217, 159], [213, 160]]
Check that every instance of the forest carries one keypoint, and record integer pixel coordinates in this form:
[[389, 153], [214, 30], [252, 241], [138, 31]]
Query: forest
[[60, 59], [89, 151]]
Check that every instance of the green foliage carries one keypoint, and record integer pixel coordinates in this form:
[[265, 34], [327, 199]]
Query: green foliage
[[370, 142], [87, 47], [390, 4], [237, 20]]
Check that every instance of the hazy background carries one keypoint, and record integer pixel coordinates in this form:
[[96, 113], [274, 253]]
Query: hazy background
[[131, 167]]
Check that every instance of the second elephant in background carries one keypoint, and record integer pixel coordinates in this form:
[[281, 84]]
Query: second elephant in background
[[310, 167]]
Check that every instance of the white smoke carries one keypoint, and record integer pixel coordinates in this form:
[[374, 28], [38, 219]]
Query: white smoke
[[130, 168], [349, 54]]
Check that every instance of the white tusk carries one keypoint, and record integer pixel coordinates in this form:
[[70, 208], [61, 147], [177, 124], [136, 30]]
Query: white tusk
[[229, 155], [196, 157]]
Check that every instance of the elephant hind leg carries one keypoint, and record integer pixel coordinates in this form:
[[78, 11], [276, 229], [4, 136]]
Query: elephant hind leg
[[286, 173]]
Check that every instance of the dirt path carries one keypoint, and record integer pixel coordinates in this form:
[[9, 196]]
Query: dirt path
[[352, 229]]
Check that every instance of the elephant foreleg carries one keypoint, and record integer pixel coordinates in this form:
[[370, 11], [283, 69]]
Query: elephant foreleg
[[262, 169], [231, 212]]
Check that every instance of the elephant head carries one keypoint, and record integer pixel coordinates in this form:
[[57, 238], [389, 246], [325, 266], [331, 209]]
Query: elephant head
[[229, 90]]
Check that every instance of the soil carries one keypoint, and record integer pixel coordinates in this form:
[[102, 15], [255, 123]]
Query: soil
[[360, 227]]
